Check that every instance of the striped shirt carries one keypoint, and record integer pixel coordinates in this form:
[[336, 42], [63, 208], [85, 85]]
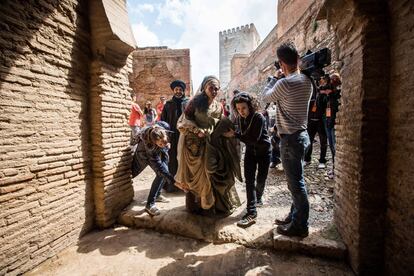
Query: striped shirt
[[291, 96]]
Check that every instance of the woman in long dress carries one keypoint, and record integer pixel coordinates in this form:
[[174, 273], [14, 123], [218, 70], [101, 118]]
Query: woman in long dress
[[208, 162]]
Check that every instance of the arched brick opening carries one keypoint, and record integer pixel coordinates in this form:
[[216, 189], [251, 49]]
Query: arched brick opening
[[373, 197], [111, 42]]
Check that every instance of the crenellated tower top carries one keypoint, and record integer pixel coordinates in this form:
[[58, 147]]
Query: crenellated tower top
[[240, 40]]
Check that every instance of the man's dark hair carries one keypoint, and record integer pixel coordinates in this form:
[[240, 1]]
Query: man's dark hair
[[287, 53]]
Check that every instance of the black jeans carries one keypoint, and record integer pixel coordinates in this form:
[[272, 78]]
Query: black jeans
[[276, 150], [256, 158], [313, 128]]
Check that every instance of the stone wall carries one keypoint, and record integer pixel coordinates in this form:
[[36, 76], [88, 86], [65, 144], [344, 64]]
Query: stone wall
[[110, 94], [237, 63], [400, 215], [288, 11], [154, 68], [64, 125], [240, 40], [110, 107], [308, 33], [361, 167], [46, 199]]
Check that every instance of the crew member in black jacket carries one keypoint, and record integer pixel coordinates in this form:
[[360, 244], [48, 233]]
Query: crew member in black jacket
[[171, 112]]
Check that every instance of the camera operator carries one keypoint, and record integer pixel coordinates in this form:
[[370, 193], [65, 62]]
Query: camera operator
[[291, 96], [316, 124]]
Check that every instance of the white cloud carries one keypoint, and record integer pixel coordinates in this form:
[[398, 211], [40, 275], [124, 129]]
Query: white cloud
[[173, 11], [140, 9], [143, 36], [146, 7]]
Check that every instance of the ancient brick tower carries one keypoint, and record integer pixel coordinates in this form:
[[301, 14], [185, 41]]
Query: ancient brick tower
[[240, 40]]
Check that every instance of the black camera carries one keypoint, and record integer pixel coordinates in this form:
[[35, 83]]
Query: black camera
[[312, 64], [277, 65]]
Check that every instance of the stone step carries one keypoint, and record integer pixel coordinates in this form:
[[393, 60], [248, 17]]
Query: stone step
[[314, 244], [260, 235]]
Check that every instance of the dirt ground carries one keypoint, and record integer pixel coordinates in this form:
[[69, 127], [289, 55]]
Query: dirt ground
[[123, 251], [276, 197]]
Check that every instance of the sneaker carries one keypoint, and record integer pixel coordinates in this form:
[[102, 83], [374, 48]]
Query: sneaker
[[321, 166], [259, 203], [291, 230], [152, 211], [247, 220], [272, 165], [162, 199]]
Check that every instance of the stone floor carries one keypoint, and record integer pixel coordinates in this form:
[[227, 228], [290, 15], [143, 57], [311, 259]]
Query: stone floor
[[323, 239], [123, 251], [229, 250]]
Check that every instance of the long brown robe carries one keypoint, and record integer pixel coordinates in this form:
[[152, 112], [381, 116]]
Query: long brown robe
[[207, 166]]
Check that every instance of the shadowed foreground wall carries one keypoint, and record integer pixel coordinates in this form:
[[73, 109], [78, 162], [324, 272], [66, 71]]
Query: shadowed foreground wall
[[46, 198], [64, 153]]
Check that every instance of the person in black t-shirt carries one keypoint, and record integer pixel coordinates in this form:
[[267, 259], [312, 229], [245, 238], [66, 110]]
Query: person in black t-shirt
[[252, 131]]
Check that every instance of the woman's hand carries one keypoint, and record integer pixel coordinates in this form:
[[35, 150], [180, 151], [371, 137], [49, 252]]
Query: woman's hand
[[181, 186], [326, 92], [201, 134], [229, 133]]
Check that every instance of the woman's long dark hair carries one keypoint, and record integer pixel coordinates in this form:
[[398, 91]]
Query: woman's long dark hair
[[200, 102]]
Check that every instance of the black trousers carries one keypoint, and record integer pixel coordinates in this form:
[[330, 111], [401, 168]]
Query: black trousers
[[319, 128], [276, 150], [256, 158]]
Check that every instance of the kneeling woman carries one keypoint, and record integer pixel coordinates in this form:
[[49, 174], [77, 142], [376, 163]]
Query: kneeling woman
[[152, 150], [207, 161], [253, 132]]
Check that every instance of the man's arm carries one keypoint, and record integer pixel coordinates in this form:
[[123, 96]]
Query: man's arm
[[273, 91], [137, 109], [164, 113]]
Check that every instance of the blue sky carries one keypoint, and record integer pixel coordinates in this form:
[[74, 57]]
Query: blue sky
[[195, 24]]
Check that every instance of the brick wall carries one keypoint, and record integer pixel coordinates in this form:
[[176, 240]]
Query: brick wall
[[45, 189], [308, 34], [155, 68], [288, 11], [110, 106], [360, 188], [400, 215], [237, 63], [110, 100]]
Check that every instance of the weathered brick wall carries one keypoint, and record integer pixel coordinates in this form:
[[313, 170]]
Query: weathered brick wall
[[308, 34], [288, 11], [110, 106], [237, 63], [400, 215], [154, 68], [45, 189], [360, 188]]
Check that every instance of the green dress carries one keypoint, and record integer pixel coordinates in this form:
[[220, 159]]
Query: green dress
[[208, 166]]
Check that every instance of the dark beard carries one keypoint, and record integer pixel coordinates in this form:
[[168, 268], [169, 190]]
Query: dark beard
[[179, 95]]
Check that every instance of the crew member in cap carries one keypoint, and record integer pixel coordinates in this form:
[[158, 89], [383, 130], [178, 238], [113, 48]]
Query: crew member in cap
[[172, 110]]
